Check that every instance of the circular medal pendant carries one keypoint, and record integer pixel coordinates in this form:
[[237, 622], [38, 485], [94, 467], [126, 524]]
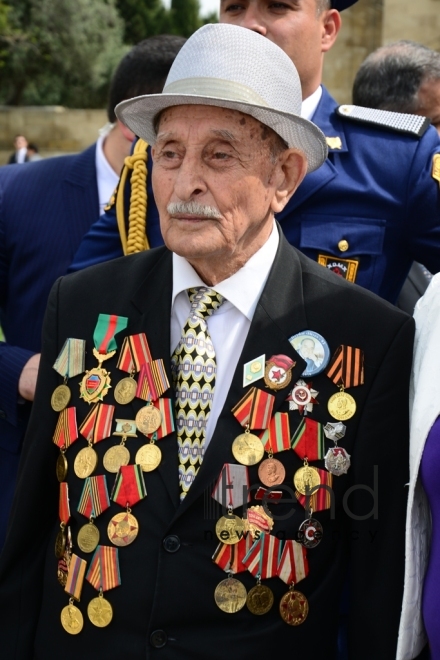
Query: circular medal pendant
[[148, 457], [95, 385], [122, 529], [61, 467], [229, 529], [88, 538], [85, 462], [271, 472], [259, 599], [72, 619], [100, 612], [115, 457], [60, 544], [60, 398], [148, 419], [230, 595], [125, 391], [294, 608], [247, 449], [310, 533], [305, 479], [276, 377], [337, 461], [341, 406], [301, 395]]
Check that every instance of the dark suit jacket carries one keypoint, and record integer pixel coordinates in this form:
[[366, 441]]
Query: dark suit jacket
[[168, 584], [13, 159], [45, 209]]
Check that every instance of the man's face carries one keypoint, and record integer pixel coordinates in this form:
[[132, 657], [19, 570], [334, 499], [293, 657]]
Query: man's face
[[307, 347], [219, 159], [294, 25], [429, 102], [20, 142]]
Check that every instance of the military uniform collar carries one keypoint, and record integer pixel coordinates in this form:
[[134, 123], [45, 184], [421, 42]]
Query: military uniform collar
[[330, 123]]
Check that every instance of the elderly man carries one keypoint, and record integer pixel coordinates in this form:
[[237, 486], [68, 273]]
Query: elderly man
[[221, 396]]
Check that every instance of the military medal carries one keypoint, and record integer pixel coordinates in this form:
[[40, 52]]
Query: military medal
[[96, 427], [253, 370], [66, 433], [276, 438], [346, 370], [293, 568], [128, 490], [149, 456], [335, 431], [337, 461], [64, 515], [96, 382], [316, 495], [64, 562], [258, 521], [153, 382], [156, 416], [247, 448], [231, 491], [262, 562], [71, 617], [278, 372], [230, 528], [259, 599], [69, 363], [310, 532], [253, 411], [313, 348], [103, 575], [148, 419], [119, 454], [94, 501], [294, 607], [306, 479], [230, 595], [308, 440], [341, 405], [134, 353], [302, 397]]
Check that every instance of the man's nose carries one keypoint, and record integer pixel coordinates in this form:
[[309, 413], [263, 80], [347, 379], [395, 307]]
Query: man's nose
[[190, 182], [252, 19]]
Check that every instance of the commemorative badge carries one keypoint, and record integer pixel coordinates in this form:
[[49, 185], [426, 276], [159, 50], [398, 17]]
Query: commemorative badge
[[278, 372], [337, 461], [71, 617], [119, 454], [149, 455], [95, 428], [253, 411], [435, 172], [310, 532], [258, 521], [103, 575], [94, 501], [135, 352], [128, 490], [66, 433], [346, 370], [253, 370], [69, 363], [293, 567], [345, 268], [313, 348], [276, 438], [262, 562], [230, 594], [302, 397]]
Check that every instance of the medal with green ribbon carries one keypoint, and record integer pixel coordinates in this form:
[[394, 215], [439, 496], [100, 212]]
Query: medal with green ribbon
[[69, 363], [103, 575]]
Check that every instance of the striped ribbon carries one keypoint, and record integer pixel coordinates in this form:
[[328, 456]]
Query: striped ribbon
[[293, 566], [166, 408], [134, 353], [232, 487], [308, 440], [129, 487], [153, 381], [254, 409], [263, 558], [66, 430], [98, 424], [266, 495], [75, 576], [346, 367], [107, 326], [63, 507], [71, 360], [104, 571], [94, 497], [277, 437], [230, 557], [321, 498]]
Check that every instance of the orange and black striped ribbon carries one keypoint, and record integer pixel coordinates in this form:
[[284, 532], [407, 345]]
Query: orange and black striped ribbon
[[321, 498], [346, 367], [66, 431], [153, 381]]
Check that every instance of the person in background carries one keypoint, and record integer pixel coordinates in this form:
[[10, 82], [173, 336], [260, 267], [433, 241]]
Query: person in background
[[46, 208], [33, 153], [20, 154]]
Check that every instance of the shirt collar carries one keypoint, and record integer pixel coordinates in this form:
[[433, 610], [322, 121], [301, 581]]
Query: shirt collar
[[243, 289], [310, 104]]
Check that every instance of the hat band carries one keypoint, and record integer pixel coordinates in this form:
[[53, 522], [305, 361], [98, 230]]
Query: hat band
[[217, 88]]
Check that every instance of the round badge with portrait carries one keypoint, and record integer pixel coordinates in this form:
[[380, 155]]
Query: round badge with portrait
[[313, 348]]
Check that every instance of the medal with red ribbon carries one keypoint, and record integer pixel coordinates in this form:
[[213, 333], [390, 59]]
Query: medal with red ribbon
[[230, 594], [318, 496], [276, 438], [71, 617], [96, 427], [66, 433], [135, 352], [96, 382], [253, 411], [69, 363], [230, 557], [149, 456], [64, 515], [231, 491], [103, 575], [262, 562], [153, 382], [278, 372], [64, 562], [128, 490], [308, 440], [94, 501], [293, 568], [346, 369]]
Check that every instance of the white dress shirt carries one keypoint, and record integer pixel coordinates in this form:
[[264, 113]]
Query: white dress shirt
[[310, 104], [106, 177], [230, 324]]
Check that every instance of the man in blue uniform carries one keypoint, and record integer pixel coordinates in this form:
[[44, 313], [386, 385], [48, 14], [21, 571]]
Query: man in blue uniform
[[373, 207]]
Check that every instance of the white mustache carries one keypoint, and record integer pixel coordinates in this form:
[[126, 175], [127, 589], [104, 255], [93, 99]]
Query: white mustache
[[194, 208]]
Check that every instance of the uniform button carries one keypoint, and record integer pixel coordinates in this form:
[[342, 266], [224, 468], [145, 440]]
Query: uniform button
[[158, 639], [171, 543], [343, 245], [2, 414]]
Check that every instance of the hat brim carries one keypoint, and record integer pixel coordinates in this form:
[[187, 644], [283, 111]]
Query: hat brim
[[139, 113]]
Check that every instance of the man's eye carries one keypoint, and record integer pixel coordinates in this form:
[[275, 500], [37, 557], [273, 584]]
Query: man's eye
[[231, 7], [169, 154], [220, 155]]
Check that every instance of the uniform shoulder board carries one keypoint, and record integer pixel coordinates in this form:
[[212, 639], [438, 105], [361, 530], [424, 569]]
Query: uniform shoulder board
[[397, 121]]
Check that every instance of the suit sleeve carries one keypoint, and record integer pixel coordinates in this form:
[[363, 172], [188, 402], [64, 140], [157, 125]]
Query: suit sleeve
[[101, 243], [376, 506]]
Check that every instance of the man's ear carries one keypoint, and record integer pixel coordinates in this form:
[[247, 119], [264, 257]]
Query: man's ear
[[291, 170], [331, 24], [129, 135]]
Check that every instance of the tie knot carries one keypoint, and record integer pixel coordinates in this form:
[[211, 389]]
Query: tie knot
[[204, 301]]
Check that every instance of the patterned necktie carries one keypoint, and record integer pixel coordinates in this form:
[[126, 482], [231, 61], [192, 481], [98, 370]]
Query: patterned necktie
[[194, 370]]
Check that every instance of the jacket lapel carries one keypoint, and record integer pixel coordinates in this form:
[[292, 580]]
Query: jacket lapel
[[80, 193]]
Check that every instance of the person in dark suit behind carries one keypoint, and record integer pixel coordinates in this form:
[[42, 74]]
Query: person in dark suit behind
[[209, 322], [46, 208], [20, 154]]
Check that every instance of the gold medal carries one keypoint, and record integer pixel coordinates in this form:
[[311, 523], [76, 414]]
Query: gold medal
[[115, 457], [148, 419], [248, 448], [61, 467], [85, 462], [271, 472], [88, 537], [96, 382], [230, 595], [294, 608], [229, 529], [122, 529], [60, 398], [125, 391], [305, 479], [148, 457], [341, 406], [60, 543], [259, 599], [276, 378], [100, 612], [72, 619]]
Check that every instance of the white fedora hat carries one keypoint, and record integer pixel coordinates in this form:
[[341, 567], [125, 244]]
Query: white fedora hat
[[232, 67]]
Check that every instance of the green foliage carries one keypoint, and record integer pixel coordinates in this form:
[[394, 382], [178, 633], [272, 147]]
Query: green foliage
[[185, 17], [142, 18]]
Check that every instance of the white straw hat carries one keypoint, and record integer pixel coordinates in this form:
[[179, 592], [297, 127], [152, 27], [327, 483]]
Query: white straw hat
[[232, 67]]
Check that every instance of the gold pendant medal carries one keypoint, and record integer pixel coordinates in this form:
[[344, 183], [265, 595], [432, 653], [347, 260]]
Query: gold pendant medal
[[123, 529], [230, 595], [294, 607], [125, 391], [259, 599], [148, 457], [85, 462], [247, 448], [88, 537], [60, 398], [72, 619], [61, 466], [148, 419], [115, 457], [341, 406], [99, 611], [306, 479], [96, 382], [230, 529]]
